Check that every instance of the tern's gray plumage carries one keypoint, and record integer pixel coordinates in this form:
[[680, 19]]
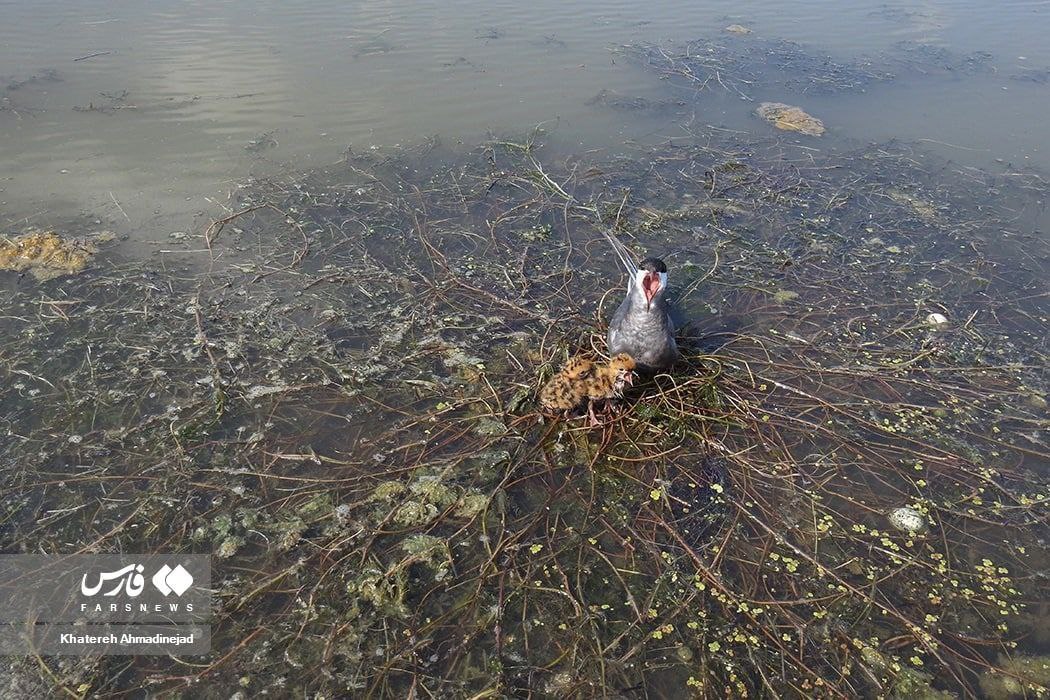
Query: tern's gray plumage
[[642, 325]]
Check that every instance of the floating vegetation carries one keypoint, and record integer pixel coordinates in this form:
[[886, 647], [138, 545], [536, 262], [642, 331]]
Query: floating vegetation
[[1018, 677], [783, 296], [343, 411], [49, 75], [790, 118], [745, 67], [1038, 76], [923, 209], [614, 100], [928, 56], [44, 254], [759, 65], [262, 142], [110, 102]]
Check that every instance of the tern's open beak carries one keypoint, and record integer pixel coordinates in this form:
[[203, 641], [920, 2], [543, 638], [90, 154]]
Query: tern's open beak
[[650, 286], [628, 378]]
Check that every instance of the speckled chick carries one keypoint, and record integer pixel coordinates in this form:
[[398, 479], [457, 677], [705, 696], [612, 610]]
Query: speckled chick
[[608, 381], [584, 381], [567, 389]]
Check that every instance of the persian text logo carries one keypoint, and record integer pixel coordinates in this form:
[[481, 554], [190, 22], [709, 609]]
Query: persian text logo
[[169, 580], [130, 578]]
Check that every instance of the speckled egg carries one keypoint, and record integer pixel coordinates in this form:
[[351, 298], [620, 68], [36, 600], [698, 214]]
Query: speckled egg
[[908, 520]]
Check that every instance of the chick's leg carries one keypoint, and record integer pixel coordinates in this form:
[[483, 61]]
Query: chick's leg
[[590, 412]]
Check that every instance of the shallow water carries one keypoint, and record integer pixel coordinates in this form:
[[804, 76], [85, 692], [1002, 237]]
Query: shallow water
[[382, 325], [143, 114]]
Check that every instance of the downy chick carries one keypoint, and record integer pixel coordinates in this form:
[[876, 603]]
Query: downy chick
[[567, 389], [608, 381], [582, 380]]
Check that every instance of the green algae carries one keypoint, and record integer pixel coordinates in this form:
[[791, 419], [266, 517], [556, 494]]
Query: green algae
[[1017, 677], [44, 254]]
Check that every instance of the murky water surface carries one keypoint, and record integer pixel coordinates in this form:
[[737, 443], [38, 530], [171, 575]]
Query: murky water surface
[[143, 113]]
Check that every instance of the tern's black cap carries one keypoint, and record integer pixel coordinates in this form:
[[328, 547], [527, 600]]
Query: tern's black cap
[[653, 265]]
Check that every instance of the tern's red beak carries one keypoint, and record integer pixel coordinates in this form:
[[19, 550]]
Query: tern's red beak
[[650, 286]]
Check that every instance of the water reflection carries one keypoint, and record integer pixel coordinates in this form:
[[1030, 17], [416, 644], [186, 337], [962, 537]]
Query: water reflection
[[168, 103]]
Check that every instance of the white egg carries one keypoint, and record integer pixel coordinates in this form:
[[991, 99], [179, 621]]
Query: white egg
[[936, 319], [908, 520]]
